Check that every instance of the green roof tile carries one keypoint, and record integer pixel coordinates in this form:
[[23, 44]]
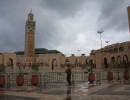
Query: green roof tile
[[39, 51]]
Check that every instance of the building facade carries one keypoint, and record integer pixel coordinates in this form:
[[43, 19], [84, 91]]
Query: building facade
[[117, 53]]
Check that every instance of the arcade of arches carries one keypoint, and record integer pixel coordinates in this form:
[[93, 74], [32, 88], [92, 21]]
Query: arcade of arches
[[114, 61]]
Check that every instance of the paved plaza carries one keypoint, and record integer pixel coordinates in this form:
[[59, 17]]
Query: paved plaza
[[78, 91]]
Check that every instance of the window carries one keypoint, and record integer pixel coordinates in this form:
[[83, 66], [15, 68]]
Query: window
[[115, 49], [110, 50], [129, 47], [121, 49]]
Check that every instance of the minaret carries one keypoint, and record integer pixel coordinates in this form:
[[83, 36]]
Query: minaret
[[128, 10], [30, 39]]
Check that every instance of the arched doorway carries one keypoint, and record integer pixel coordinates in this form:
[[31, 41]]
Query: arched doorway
[[125, 61], [105, 63], [119, 61], [67, 62], [10, 63], [125, 58], [77, 63], [87, 61], [113, 62], [54, 63], [113, 59]]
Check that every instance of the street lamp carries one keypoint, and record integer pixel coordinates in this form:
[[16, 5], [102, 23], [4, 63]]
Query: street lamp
[[78, 52], [107, 42], [100, 32]]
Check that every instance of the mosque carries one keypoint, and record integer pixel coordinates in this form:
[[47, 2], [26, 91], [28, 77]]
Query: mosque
[[54, 59]]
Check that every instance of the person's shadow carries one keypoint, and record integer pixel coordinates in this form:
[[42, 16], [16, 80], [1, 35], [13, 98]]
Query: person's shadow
[[68, 93]]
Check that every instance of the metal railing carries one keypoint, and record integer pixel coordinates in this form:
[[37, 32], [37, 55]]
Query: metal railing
[[60, 77]]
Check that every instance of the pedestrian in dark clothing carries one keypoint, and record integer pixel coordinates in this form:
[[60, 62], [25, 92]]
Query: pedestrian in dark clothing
[[68, 72]]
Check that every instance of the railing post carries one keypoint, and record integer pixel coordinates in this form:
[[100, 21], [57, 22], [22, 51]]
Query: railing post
[[8, 81], [44, 77], [73, 79], [40, 85], [118, 77], [98, 77]]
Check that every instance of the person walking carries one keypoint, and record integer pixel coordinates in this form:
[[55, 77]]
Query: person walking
[[68, 72]]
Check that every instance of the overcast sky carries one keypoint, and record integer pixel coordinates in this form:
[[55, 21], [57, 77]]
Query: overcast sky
[[64, 25]]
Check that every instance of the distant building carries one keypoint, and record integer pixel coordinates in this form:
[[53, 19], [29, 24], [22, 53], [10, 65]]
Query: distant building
[[118, 53]]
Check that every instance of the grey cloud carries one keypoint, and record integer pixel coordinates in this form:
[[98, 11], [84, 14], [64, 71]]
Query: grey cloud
[[113, 15], [51, 34], [49, 14], [13, 15], [64, 7]]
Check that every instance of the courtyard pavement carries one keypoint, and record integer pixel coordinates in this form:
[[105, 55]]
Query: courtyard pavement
[[78, 91]]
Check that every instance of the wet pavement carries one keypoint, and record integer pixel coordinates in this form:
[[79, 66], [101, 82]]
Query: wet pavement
[[10, 97], [115, 89], [79, 91]]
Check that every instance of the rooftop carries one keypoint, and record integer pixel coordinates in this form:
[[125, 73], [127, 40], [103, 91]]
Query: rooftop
[[40, 51]]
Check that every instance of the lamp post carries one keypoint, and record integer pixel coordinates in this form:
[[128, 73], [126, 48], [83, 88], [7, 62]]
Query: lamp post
[[100, 33], [107, 42], [78, 52]]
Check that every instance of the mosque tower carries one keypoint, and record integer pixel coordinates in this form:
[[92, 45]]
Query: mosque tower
[[30, 39]]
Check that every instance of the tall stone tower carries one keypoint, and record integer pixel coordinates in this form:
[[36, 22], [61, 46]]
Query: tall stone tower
[[128, 10], [30, 39]]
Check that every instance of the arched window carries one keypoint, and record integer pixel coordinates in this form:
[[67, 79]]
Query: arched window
[[10, 62], [115, 49], [54, 63], [86, 61], [77, 63], [105, 63], [110, 50], [118, 60], [125, 61], [113, 62], [113, 59], [121, 49]]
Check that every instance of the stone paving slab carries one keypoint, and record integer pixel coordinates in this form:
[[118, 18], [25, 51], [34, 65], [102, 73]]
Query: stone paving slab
[[77, 92], [114, 89]]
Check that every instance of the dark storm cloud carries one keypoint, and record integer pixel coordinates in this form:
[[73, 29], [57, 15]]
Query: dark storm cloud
[[113, 15]]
